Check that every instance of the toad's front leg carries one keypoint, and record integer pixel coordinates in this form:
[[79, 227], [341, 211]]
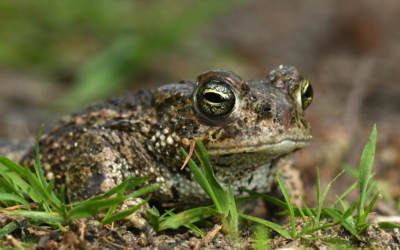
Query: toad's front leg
[[102, 160]]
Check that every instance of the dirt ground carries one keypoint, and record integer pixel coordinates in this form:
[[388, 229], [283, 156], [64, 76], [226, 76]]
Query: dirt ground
[[350, 51]]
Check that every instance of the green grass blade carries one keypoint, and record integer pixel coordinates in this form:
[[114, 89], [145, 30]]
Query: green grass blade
[[9, 228], [89, 208], [12, 166], [233, 215], [308, 211], [38, 168], [314, 229], [352, 187], [363, 227], [191, 226], [143, 191], [338, 217], [367, 159], [388, 225], [369, 192], [267, 198], [316, 219], [136, 181], [349, 211], [120, 194], [7, 188], [285, 233], [261, 238], [371, 204], [132, 183], [12, 197], [188, 216], [124, 213], [17, 180], [45, 216], [154, 216], [202, 180], [321, 199], [288, 202], [302, 214], [219, 192], [42, 192], [341, 203]]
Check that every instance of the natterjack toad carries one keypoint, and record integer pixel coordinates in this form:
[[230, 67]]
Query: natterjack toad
[[246, 127]]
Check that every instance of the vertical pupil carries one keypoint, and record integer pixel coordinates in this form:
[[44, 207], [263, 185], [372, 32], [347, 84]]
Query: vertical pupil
[[213, 97], [308, 92]]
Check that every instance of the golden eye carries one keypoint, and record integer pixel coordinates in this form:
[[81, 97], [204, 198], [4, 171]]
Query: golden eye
[[215, 99], [306, 93]]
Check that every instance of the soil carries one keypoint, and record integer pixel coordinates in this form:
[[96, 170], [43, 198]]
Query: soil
[[89, 234]]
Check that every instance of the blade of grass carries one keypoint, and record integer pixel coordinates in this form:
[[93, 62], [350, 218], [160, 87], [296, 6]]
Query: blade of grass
[[45, 216], [12, 197], [188, 216], [120, 194], [316, 219], [341, 203], [39, 172], [288, 202], [284, 232], [371, 204], [219, 192], [191, 226], [154, 216], [302, 214], [367, 159], [143, 191], [124, 213], [42, 192], [12, 166], [89, 208], [321, 200], [388, 225], [342, 220], [261, 238], [308, 211], [9, 228], [202, 180], [10, 188], [17, 180], [267, 198], [369, 192], [233, 216]]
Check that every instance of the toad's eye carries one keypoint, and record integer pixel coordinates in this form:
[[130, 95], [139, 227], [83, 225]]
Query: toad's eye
[[306, 93], [215, 99]]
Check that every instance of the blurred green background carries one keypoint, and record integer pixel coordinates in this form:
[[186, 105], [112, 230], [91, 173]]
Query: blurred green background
[[57, 56]]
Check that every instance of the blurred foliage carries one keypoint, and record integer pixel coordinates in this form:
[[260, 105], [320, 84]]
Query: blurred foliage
[[103, 43]]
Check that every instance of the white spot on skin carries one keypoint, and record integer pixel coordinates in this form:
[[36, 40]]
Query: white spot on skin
[[157, 144], [162, 138], [165, 131], [145, 129], [170, 141], [153, 138], [158, 134]]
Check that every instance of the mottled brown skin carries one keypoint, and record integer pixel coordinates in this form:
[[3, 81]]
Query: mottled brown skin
[[141, 134]]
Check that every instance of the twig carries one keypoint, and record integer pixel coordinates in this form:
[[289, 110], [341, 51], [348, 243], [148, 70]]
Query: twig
[[210, 235], [190, 153], [14, 242], [31, 205]]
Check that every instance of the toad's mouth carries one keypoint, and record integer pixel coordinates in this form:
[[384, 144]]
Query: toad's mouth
[[279, 148]]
